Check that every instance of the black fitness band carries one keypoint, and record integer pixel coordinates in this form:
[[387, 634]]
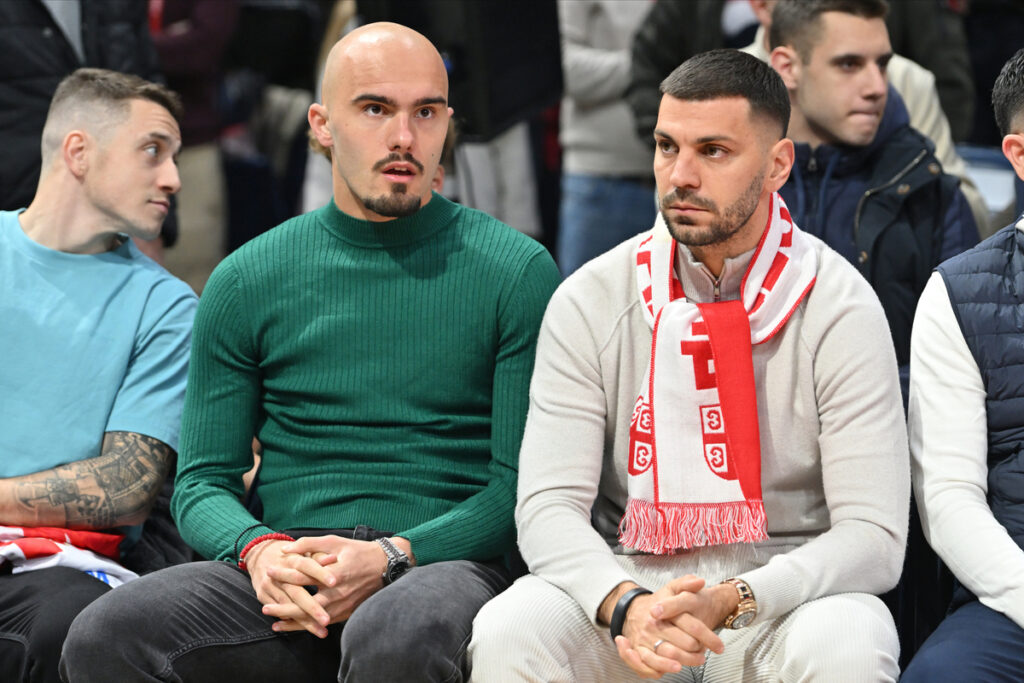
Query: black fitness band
[[621, 607]]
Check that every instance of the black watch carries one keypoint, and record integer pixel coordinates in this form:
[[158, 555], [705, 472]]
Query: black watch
[[398, 561]]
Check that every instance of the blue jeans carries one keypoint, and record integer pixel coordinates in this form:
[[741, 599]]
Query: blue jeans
[[202, 622], [974, 643], [598, 213]]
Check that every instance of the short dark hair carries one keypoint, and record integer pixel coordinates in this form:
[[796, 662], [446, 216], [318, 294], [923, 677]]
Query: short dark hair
[[1008, 93], [731, 73], [98, 98], [115, 87], [797, 23]]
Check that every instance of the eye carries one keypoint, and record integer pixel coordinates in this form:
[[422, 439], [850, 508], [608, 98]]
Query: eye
[[666, 147], [848, 64], [714, 151], [374, 109], [425, 113], [152, 149]]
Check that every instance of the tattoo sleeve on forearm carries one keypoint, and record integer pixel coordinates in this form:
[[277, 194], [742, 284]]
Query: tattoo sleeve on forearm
[[109, 490]]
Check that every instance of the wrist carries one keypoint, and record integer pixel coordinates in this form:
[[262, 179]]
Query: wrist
[[256, 546], [618, 620], [727, 599], [604, 612], [405, 546]]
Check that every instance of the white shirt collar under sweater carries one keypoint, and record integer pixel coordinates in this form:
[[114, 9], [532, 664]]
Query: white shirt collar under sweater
[[699, 283]]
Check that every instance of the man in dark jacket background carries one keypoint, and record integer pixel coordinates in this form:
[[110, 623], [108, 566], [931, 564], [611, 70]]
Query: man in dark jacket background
[[864, 180]]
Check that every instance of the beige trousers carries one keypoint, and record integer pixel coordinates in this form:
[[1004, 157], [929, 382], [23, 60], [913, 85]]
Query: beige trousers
[[536, 632]]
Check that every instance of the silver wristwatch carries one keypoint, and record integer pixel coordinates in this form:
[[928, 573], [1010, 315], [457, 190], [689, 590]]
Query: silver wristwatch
[[398, 561]]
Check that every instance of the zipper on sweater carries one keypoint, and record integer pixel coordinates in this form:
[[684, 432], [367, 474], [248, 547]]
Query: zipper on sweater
[[863, 257], [718, 287]]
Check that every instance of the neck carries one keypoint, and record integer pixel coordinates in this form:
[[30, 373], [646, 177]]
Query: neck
[[57, 219], [800, 130]]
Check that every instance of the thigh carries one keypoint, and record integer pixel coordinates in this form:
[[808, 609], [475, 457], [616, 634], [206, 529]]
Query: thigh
[[418, 628], [534, 631], [974, 643], [191, 622], [36, 611], [846, 637]]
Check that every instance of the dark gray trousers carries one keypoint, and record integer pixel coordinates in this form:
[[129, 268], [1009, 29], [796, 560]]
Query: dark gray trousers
[[202, 622]]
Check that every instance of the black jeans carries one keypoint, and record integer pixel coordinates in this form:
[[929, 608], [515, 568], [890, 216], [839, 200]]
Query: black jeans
[[36, 610], [202, 622]]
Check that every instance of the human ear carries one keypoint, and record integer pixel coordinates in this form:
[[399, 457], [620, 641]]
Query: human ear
[[781, 158], [74, 152], [1013, 149], [317, 117], [786, 62]]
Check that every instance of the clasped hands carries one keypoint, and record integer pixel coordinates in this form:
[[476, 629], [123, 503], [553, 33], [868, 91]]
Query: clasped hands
[[680, 620], [345, 572]]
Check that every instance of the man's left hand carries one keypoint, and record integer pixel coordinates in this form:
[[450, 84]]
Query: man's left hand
[[358, 572]]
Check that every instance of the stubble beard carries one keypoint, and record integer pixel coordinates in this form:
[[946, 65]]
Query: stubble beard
[[723, 227], [396, 204]]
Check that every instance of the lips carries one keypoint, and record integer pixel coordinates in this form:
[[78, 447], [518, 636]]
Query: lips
[[399, 171], [164, 205]]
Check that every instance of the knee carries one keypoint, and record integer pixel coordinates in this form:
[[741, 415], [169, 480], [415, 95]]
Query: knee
[[103, 622], [391, 644], [842, 637], [531, 632]]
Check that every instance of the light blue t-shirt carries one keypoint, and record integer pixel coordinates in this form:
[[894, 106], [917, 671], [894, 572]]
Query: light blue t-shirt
[[89, 343]]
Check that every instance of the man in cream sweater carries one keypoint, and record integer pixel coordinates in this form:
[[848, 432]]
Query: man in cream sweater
[[715, 437]]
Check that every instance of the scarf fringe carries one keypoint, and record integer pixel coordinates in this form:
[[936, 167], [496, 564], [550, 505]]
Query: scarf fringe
[[662, 529]]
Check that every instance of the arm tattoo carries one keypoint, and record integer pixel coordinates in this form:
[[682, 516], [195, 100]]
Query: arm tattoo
[[117, 487]]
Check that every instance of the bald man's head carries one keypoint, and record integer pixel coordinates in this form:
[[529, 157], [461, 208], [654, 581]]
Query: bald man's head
[[368, 43], [384, 117]]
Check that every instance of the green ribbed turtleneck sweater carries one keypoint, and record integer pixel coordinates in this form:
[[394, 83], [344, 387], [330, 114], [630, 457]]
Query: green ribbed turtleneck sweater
[[385, 369]]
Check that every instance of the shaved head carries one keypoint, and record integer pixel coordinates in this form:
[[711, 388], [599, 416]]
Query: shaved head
[[384, 117], [369, 44]]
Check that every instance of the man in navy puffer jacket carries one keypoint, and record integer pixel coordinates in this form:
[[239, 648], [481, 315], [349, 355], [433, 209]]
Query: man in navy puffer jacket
[[864, 181]]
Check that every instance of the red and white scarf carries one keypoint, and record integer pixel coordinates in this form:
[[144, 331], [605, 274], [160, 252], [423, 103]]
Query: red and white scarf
[[694, 445], [29, 548]]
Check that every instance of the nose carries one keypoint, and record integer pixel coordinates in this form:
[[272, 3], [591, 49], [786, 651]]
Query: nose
[[684, 171], [400, 133], [168, 178], [876, 84]]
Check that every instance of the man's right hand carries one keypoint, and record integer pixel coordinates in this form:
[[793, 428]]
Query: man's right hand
[[294, 572], [684, 639]]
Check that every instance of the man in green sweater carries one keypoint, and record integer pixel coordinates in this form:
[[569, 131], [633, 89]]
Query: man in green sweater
[[380, 348]]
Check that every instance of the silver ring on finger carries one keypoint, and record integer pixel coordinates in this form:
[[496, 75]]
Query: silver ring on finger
[[654, 649]]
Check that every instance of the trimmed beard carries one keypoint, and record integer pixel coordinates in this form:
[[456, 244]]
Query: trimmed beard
[[397, 204], [721, 228]]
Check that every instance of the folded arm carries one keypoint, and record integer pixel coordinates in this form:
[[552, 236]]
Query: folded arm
[[115, 488]]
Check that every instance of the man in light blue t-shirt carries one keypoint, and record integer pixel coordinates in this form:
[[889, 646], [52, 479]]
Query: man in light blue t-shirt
[[94, 346]]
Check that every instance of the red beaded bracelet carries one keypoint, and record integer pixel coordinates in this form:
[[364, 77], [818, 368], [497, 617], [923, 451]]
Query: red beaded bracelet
[[256, 541]]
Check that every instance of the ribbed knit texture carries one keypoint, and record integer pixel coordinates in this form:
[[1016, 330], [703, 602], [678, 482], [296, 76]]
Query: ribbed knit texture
[[385, 369]]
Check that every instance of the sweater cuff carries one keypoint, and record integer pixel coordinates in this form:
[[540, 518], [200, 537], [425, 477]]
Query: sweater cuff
[[600, 583], [775, 594], [247, 536]]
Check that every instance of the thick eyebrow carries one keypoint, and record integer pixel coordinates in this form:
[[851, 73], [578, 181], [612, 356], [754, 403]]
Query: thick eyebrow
[[700, 141], [859, 57], [383, 99], [713, 138], [663, 134]]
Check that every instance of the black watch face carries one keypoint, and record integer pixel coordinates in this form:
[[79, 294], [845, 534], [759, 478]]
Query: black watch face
[[396, 570]]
